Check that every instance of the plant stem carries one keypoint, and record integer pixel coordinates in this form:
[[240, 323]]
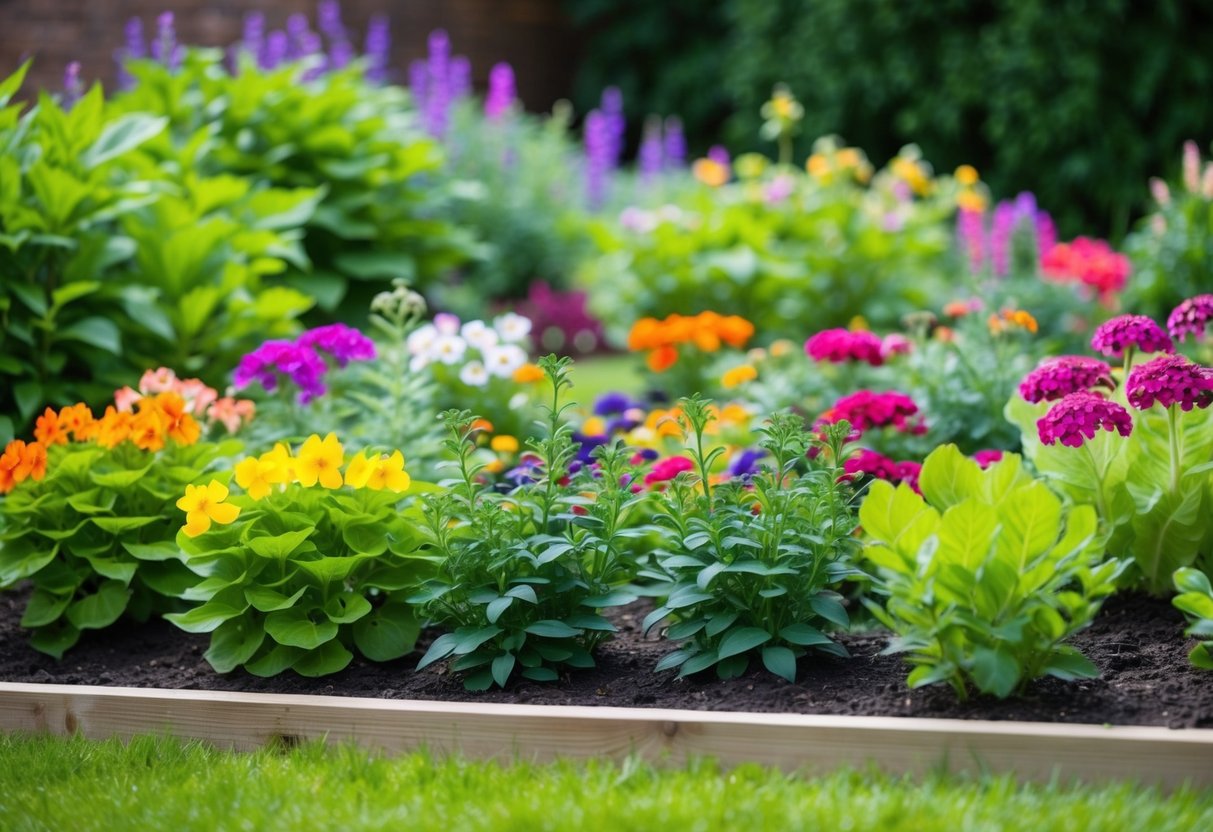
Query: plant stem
[[1175, 431]]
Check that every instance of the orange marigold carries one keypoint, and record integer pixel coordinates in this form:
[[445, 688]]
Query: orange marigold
[[113, 428], [48, 429], [662, 358], [147, 430], [528, 373]]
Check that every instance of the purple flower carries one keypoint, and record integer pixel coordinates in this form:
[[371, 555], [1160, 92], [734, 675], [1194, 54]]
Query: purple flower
[[1001, 229], [1046, 233], [460, 77], [1191, 317], [1056, 378], [328, 19], [718, 154], [744, 463], [650, 154], [165, 48], [274, 51], [252, 40], [419, 76], [1078, 416], [587, 444], [500, 97], [597, 157], [609, 404], [134, 49], [378, 45], [616, 123], [1130, 332], [283, 358], [343, 343], [72, 86], [675, 143], [1170, 380]]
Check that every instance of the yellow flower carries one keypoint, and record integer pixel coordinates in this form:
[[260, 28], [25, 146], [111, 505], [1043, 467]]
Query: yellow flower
[[738, 376], [782, 347], [320, 461], [594, 426], [204, 503], [358, 472], [278, 464], [849, 157], [710, 172], [388, 472], [966, 175], [971, 201], [253, 476], [504, 444], [817, 165]]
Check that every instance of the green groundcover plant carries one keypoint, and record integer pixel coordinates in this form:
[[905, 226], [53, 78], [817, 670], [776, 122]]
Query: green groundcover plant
[[749, 568], [1195, 600], [522, 575], [307, 565], [985, 575]]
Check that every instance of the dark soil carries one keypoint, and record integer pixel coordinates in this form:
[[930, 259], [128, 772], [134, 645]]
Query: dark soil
[[1136, 642]]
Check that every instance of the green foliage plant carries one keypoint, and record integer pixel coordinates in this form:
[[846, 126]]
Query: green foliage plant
[[1195, 601], [522, 576], [750, 570], [985, 575]]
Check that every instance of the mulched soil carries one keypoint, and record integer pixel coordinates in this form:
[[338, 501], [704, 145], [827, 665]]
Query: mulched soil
[[1136, 642]]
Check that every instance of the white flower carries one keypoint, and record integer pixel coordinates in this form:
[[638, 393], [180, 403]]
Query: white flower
[[512, 328], [473, 374], [446, 323], [480, 335], [421, 340], [504, 360], [448, 349]]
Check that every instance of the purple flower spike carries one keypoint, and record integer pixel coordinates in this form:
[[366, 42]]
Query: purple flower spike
[[971, 235], [378, 45], [165, 48], [134, 49], [460, 77], [274, 52], [1170, 380], [1078, 416], [1191, 317], [1059, 377], [501, 92], [328, 20], [675, 150], [253, 39], [616, 124], [1136, 332], [73, 88], [651, 155], [597, 157]]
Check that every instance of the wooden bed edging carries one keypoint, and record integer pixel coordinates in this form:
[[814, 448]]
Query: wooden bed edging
[[1031, 750]]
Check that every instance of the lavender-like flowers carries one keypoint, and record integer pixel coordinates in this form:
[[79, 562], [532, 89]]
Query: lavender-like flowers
[[1079, 416], [674, 144], [378, 46], [501, 94], [135, 48], [301, 361], [651, 156], [165, 48], [73, 87]]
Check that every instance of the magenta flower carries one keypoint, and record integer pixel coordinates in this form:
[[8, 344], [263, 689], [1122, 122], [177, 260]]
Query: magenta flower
[[1136, 332], [866, 410], [987, 458], [1058, 377], [878, 466], [1078, 416], [275, 359], [1190, 317], [501, 94], [343, 343], [841, 345], [1170, 380], [668, 468]]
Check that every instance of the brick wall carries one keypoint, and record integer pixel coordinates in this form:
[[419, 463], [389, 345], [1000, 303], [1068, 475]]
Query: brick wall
[[533, 35]]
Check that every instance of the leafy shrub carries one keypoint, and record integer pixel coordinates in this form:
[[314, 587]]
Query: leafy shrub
[[986, 574], [307, 564], [749, 564], [92, 525], [1195, 600], [523, 575]]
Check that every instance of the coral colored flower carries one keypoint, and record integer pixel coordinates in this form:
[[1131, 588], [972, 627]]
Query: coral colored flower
[[204, 503], [662, 358], [738, 376], [987, 458], [1090, 262], [1136, 332], [504, 444], [1079, 416], [711, 172], [866, 410], [668, 468], [960, 308], [1012, 319], [320, 461], [231, 412], [1058, 377], [125, 398], [528, 374], [20, 462], [253, 476], [1170, 380], [48, 430], [841, 345], [1190, 317]]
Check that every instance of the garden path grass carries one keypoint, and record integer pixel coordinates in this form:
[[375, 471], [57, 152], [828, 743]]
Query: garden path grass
[[155, 783]]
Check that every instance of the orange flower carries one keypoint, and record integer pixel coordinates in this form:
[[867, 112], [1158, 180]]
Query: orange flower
[[147, 430], [48, 431], [736, 331], [957, 308], [710, 172], [528, 373], [175, 419], [113, 428], [481, 424], [35, 459], [644, 334], [707, 340], [1012, 319], [13, 467], [78, 419], [662, 358], [738, 376]]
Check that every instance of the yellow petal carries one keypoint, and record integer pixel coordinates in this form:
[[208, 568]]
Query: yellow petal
[[216, 492], [358, 471], [248, 472], [190, 501], [306, 473], [330, 478], [259, 489], [398, 481], [223, 513], [196, 522]]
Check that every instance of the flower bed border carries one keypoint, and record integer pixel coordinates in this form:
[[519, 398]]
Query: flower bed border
[[815, 743]]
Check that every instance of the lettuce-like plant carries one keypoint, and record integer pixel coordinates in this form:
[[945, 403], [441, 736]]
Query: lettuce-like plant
[[1195, 601], [308, 564], [751, 567], [523, 575], [985, 575]]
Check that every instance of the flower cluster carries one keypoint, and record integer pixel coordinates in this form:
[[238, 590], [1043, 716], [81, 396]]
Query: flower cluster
[[869, 463], [714, 169], [1079, 416], [1130, 332], [1091, 263], [1170, 380], [1010, 320], [867, 410], [21, 461], [706, 332], [1190, 317], [201, 400], [482, 351], [302, 361], [1012, 221], [845, 163], [841, 345], [1058, 377]]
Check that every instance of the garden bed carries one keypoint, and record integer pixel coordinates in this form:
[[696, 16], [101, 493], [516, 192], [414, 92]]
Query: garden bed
[[1136, 642]]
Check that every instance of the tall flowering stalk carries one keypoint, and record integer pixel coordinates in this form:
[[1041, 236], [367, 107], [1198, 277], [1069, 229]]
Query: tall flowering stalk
[[502, 94], [651, 156], [674, 144], [377, 48]]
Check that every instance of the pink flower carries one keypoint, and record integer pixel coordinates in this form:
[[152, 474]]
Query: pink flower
[[987, 458], [1058, 377], [1090, 262], [878, 466], [895, 344], [1170, 380], [1078, 416], [1190, 317], [908, 471], [841, 345], [231, 413], [1130, 332], [668, 468], [160, 380], [125, 399], [866, 410]]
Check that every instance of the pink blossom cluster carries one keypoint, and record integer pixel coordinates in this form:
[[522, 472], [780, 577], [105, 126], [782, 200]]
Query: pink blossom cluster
[[878, 466], [841, 345], [1079, 416], [866, 410], [1136, 332], [1058, 377], [667, 469], [1191, 317], [1170, 380], [1089, 262], [201, 400]]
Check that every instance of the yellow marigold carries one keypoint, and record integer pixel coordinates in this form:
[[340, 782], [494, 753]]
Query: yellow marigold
[[204, 503], [710, 172], [738, 376], [504, 444], [817, 165], [320, 460], [848, 157], [966, 175], [594, 426], [528, 373], [665, 422]]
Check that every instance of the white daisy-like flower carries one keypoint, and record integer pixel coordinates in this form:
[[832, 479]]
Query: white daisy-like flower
[[480, 335], [512, 327], [474, 374], [421, 340], [446, 323], [502, 361], [448, 349]]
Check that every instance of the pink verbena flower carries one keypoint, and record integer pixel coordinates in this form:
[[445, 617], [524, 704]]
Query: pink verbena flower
[[1130, 332], [668, 468], [343, 343], [878, 466], [865, 410], [841, 345], [987, 458], [1078, 416], [1170, 380], [1190, 317], [1058, 377], [1090, 262]]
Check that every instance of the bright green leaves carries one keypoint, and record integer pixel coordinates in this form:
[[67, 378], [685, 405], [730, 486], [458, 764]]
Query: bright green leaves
[[1195, 601], [987, 598]]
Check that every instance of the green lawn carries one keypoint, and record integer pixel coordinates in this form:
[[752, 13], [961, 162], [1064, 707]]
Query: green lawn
[[594, 376], [153, 784]]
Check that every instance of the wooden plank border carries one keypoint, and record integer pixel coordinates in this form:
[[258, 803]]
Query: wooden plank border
[[1032, 751]]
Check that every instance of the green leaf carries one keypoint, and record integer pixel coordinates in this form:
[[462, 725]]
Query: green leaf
[[830, 608], [280, 547], [803, 635], [56, 639], [781, 661], [119, 480], [698, 662], [468, 639], [159, 551], [331, 570], [121, 525], [278, 659], [233, 643], [346, 607], [100, 609], [303, 628], [206, 618], [995, 671], [540, 674], [98, 332], [948, 477], [741, 640], [122, 135], [503, 666], [496, 607], [1068, 664], [265, 599], [44, 607], [551, 628], [330, 657], [389, 632], [672, 660], [366, 538]]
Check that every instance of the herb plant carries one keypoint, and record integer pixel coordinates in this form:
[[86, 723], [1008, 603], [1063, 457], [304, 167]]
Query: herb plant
[[985, 575], [307, 565], [749, 568], [523, 575], [1195, 601]]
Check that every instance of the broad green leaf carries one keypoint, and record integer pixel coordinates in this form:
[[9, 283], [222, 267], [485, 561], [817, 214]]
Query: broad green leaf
[[44, 607], [265, 599], [741, 640], [102, 608], [207, 617], [803, 635], [551, 628], [503, 666], [330, 657], [121, 525], [995, 671], [56, 639], [389, 632], [274, 661], [781, 661], [122, 135], [303, 628], [966, 533], [234, 642], [280, 546], [346, 607], [949, 477], [1068, 664], [98, 332]]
